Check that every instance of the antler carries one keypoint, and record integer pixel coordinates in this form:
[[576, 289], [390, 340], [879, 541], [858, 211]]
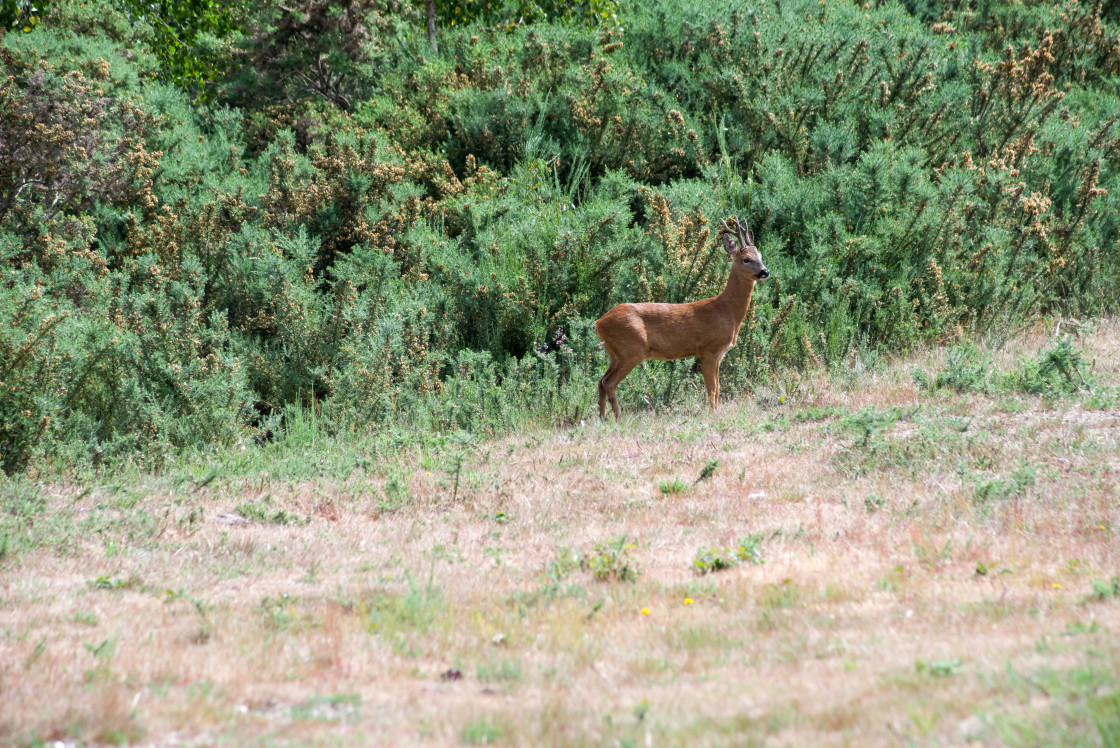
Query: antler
[[742, 231]]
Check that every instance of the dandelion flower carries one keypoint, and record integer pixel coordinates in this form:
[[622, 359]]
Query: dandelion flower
[[645, 611], [688, 601], [1056, 586]]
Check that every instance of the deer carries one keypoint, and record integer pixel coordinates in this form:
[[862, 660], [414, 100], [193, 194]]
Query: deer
[[706, 329]]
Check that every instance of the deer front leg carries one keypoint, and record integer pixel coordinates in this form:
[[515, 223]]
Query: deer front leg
[[709, 366]]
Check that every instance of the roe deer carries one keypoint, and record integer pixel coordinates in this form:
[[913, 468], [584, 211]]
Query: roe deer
[[707, 329]]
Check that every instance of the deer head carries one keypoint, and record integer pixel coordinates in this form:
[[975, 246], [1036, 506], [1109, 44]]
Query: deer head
[[739, 245]]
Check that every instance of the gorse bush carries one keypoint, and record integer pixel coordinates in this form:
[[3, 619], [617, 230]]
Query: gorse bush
[[308, 208], [1058, 370], [966, 370]]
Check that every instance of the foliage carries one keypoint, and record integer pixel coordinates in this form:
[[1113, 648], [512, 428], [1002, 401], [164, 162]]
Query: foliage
[[673, 487], [262, 513], [187, 37], [213, 216], [1058, 370], [610, 561], [708, 470], [311, 48], [512, 13], [1105, 591], [713, 559], [965, 370], [20, 15]]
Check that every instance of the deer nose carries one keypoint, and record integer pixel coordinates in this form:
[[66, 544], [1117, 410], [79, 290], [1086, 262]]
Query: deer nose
[[763, 274]]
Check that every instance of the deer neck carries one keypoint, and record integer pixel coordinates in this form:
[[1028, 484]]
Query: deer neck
[[736, 295]]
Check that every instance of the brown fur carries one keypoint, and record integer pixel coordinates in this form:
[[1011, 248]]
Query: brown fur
[[632, 333]]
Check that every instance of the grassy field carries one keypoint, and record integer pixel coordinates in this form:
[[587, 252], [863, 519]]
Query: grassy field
[[915, 552]]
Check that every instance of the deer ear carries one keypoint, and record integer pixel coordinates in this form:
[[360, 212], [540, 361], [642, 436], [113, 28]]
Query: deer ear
[[729, 244], [750, 237]]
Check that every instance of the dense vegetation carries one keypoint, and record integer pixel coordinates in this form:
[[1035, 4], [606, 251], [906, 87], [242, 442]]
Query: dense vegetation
[[214, 217]]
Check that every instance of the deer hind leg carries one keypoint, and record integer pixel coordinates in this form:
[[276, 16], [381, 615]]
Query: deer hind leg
[[709, 366], [609, 384], [611, 368]]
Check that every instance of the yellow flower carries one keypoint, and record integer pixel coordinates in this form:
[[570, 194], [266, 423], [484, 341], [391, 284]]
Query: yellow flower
[[645, 611], [688, 601], [1100, 527], [27, 29], [1056, 586]]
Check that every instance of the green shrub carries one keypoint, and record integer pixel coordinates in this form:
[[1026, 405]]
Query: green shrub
[[713, 559], [965, 370], [610, 561], [308, 207], [1058, 370]]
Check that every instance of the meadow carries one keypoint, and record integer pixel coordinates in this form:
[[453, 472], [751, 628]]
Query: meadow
[[298, 424], [923, 552]]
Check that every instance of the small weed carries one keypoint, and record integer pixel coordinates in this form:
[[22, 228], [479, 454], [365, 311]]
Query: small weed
[[417, 609], [1077, 628], [784, 594], [873, 504], [707, 472], [815, 413], [39, 650], [894, 579], [396, 493], [202, 609], [939, 667], [566, 561], [103, 655], [1102, 398], [259, 513], [193, 519], [1105, 711], [713, 559], [927, 551], [107, 583], [85, 618], [460, 453], [610, 561], [503, 671], [480, 732], [312, 575], [674, 487], [1015, 484], [328, 708], [170, 595], [1104, 591], [277, 611], [866, 424]]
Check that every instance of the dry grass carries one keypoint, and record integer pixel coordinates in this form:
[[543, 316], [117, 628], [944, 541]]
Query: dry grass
[[928, 579]]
